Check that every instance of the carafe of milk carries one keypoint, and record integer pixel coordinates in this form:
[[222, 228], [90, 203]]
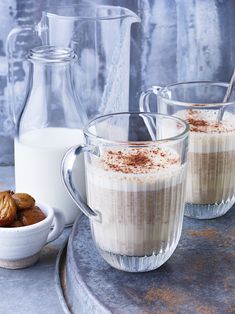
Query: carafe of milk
[[50, 123]]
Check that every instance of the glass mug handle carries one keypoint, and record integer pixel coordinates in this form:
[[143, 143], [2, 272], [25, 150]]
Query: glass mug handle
[[144, 107], [66, 172], [144, 97]]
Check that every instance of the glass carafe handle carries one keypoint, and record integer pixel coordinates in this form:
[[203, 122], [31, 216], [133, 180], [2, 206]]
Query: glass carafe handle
[[11, 49], [66, 172]]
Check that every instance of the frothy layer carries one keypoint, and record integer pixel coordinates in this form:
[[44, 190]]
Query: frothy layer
[[206, 135], [139, 160], [206, 121], [137, 169]]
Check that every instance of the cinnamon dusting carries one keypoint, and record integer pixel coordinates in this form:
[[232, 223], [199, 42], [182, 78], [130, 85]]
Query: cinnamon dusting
[[198, 123], [139, 160]]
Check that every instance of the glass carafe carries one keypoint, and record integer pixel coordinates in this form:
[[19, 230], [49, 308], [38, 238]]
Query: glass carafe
[[50, 122], [100, 36]]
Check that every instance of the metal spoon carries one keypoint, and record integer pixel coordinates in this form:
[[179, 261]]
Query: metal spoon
[[226, 97]]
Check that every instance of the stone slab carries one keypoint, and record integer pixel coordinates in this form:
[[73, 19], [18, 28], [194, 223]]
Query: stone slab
[[199, 277]]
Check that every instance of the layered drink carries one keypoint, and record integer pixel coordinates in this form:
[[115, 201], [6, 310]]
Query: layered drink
[[139, 193], [211, 163]]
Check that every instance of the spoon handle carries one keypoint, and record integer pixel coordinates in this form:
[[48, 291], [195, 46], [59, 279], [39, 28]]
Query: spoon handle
[[226, 97], [230, 88]]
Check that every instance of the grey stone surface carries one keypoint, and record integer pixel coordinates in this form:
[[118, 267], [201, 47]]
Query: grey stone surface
[[199, 278], [31, 290]]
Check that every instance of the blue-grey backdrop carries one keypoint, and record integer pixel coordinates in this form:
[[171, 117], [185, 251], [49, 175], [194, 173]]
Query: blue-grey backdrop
[[178, 40]]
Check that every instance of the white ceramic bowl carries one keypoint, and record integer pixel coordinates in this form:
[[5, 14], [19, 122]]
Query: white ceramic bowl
[[20, 246]]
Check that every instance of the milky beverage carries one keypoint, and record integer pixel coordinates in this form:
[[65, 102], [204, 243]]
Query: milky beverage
[[38, 157], [139, 193], [211, 157]]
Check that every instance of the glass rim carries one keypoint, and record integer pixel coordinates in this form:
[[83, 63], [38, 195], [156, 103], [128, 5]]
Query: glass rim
[[51, 54], [215, 105], [180, 136], [119, 16]]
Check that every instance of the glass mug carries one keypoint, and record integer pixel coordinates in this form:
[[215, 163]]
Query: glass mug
[[135, 187], [211, 158]]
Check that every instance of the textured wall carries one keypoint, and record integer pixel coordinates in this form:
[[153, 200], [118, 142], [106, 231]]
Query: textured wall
[[12, 13], [178, 40]]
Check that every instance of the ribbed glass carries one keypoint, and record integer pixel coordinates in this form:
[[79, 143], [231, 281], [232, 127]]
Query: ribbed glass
[[135, 186], [141, 216], [211, 174], [210, 189]]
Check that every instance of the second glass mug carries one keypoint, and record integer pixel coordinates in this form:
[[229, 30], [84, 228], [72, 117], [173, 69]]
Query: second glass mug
[[135, 187], [210, 189]]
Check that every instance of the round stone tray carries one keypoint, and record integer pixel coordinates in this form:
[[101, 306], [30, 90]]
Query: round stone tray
[[60, 279], [198, 278]]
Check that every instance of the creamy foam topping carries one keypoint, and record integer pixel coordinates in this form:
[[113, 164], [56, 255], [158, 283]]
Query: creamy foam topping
[[139, 160], [206, 121], [136, 169], [206, 135]]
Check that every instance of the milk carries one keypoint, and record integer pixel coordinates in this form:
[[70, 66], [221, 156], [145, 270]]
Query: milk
[[38, 157]]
